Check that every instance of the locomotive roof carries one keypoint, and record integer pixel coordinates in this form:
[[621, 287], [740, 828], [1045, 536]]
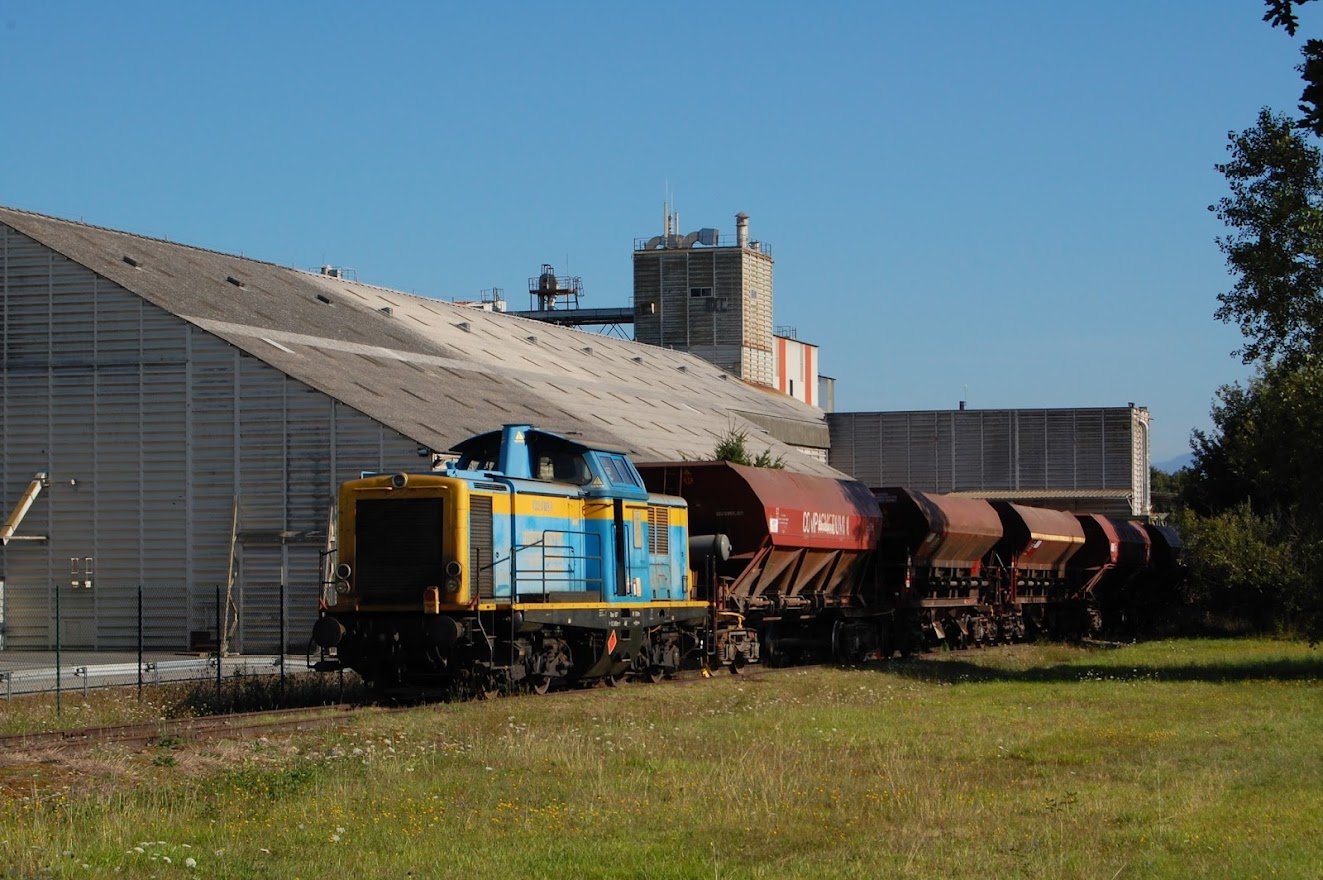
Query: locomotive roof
[[434, 371], [482, 441]]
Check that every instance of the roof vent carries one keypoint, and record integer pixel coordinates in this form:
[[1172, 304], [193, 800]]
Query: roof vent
[[324, 298], [235, 281], [533, 339], [587, 349], [331, 271], [386, 310], [132, 262], [638, 359], [682, 368], [464, 325]]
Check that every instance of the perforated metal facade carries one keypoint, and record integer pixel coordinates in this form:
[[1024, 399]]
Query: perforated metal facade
[[150, 430], [1094, 459]]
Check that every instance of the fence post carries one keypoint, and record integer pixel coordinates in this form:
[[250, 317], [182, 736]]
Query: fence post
[[218, 648], [139, 643], [281, 648], [59, 691]]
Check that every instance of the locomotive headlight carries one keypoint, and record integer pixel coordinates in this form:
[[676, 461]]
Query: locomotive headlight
[[343, 571], [342, 587], [452, 585], [453, 571]]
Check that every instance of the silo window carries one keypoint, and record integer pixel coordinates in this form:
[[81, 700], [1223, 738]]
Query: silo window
[[700, 291]]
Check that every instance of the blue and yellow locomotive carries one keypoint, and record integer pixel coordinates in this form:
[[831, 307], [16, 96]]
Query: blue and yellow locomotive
[[533, 559]]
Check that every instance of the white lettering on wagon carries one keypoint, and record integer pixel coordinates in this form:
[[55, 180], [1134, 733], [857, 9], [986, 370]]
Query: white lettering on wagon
[[837, 524]]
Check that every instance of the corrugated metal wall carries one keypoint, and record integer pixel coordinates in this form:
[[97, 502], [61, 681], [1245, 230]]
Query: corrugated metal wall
[[997, 450], [731, 327], [150, 429]]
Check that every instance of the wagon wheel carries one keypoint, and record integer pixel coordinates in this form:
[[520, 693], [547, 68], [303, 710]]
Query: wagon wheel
[[487, 687]]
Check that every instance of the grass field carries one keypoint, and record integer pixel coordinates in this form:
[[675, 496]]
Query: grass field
[[1169, 759]]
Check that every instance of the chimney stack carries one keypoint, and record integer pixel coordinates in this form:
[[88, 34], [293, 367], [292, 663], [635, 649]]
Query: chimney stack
[[742, 229]]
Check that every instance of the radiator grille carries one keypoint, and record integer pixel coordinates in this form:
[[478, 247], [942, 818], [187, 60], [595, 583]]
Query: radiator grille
[[659, 530], [398, 548], [480, 544]]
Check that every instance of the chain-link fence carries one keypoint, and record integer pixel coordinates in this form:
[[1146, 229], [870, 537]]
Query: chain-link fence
[[67, 638]]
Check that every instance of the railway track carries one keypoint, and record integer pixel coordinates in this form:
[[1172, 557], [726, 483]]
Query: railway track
[[277, 721], [183, 729]]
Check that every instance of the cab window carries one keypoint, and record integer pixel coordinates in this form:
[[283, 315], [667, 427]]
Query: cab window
[[562, 467], [619, 471]]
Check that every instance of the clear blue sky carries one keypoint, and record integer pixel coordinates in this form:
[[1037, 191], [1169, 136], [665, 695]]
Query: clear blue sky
[[1002, 201]]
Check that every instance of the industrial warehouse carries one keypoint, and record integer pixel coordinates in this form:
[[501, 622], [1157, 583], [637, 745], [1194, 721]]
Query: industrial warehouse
[[178, 419]]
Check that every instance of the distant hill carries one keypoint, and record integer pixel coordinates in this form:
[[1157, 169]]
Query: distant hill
[[1172, 465]]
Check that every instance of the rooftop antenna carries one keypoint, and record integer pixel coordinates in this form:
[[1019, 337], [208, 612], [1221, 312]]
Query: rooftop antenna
[[670, 217], [666, 208]]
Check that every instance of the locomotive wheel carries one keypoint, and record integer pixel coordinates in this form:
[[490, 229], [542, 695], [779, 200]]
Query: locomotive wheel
[[610, 681], [540, 684], [482, 684], [654, 674]]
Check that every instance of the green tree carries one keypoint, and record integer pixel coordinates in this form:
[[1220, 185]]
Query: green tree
[[1254, 521], [1255, 491], [1245, 572], [1166, 489], [1264, 447], [1281, 13], [734, 447], [1274, 245]]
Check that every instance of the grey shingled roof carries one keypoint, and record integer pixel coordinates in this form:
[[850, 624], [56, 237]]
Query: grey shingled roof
[[434, 371]]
